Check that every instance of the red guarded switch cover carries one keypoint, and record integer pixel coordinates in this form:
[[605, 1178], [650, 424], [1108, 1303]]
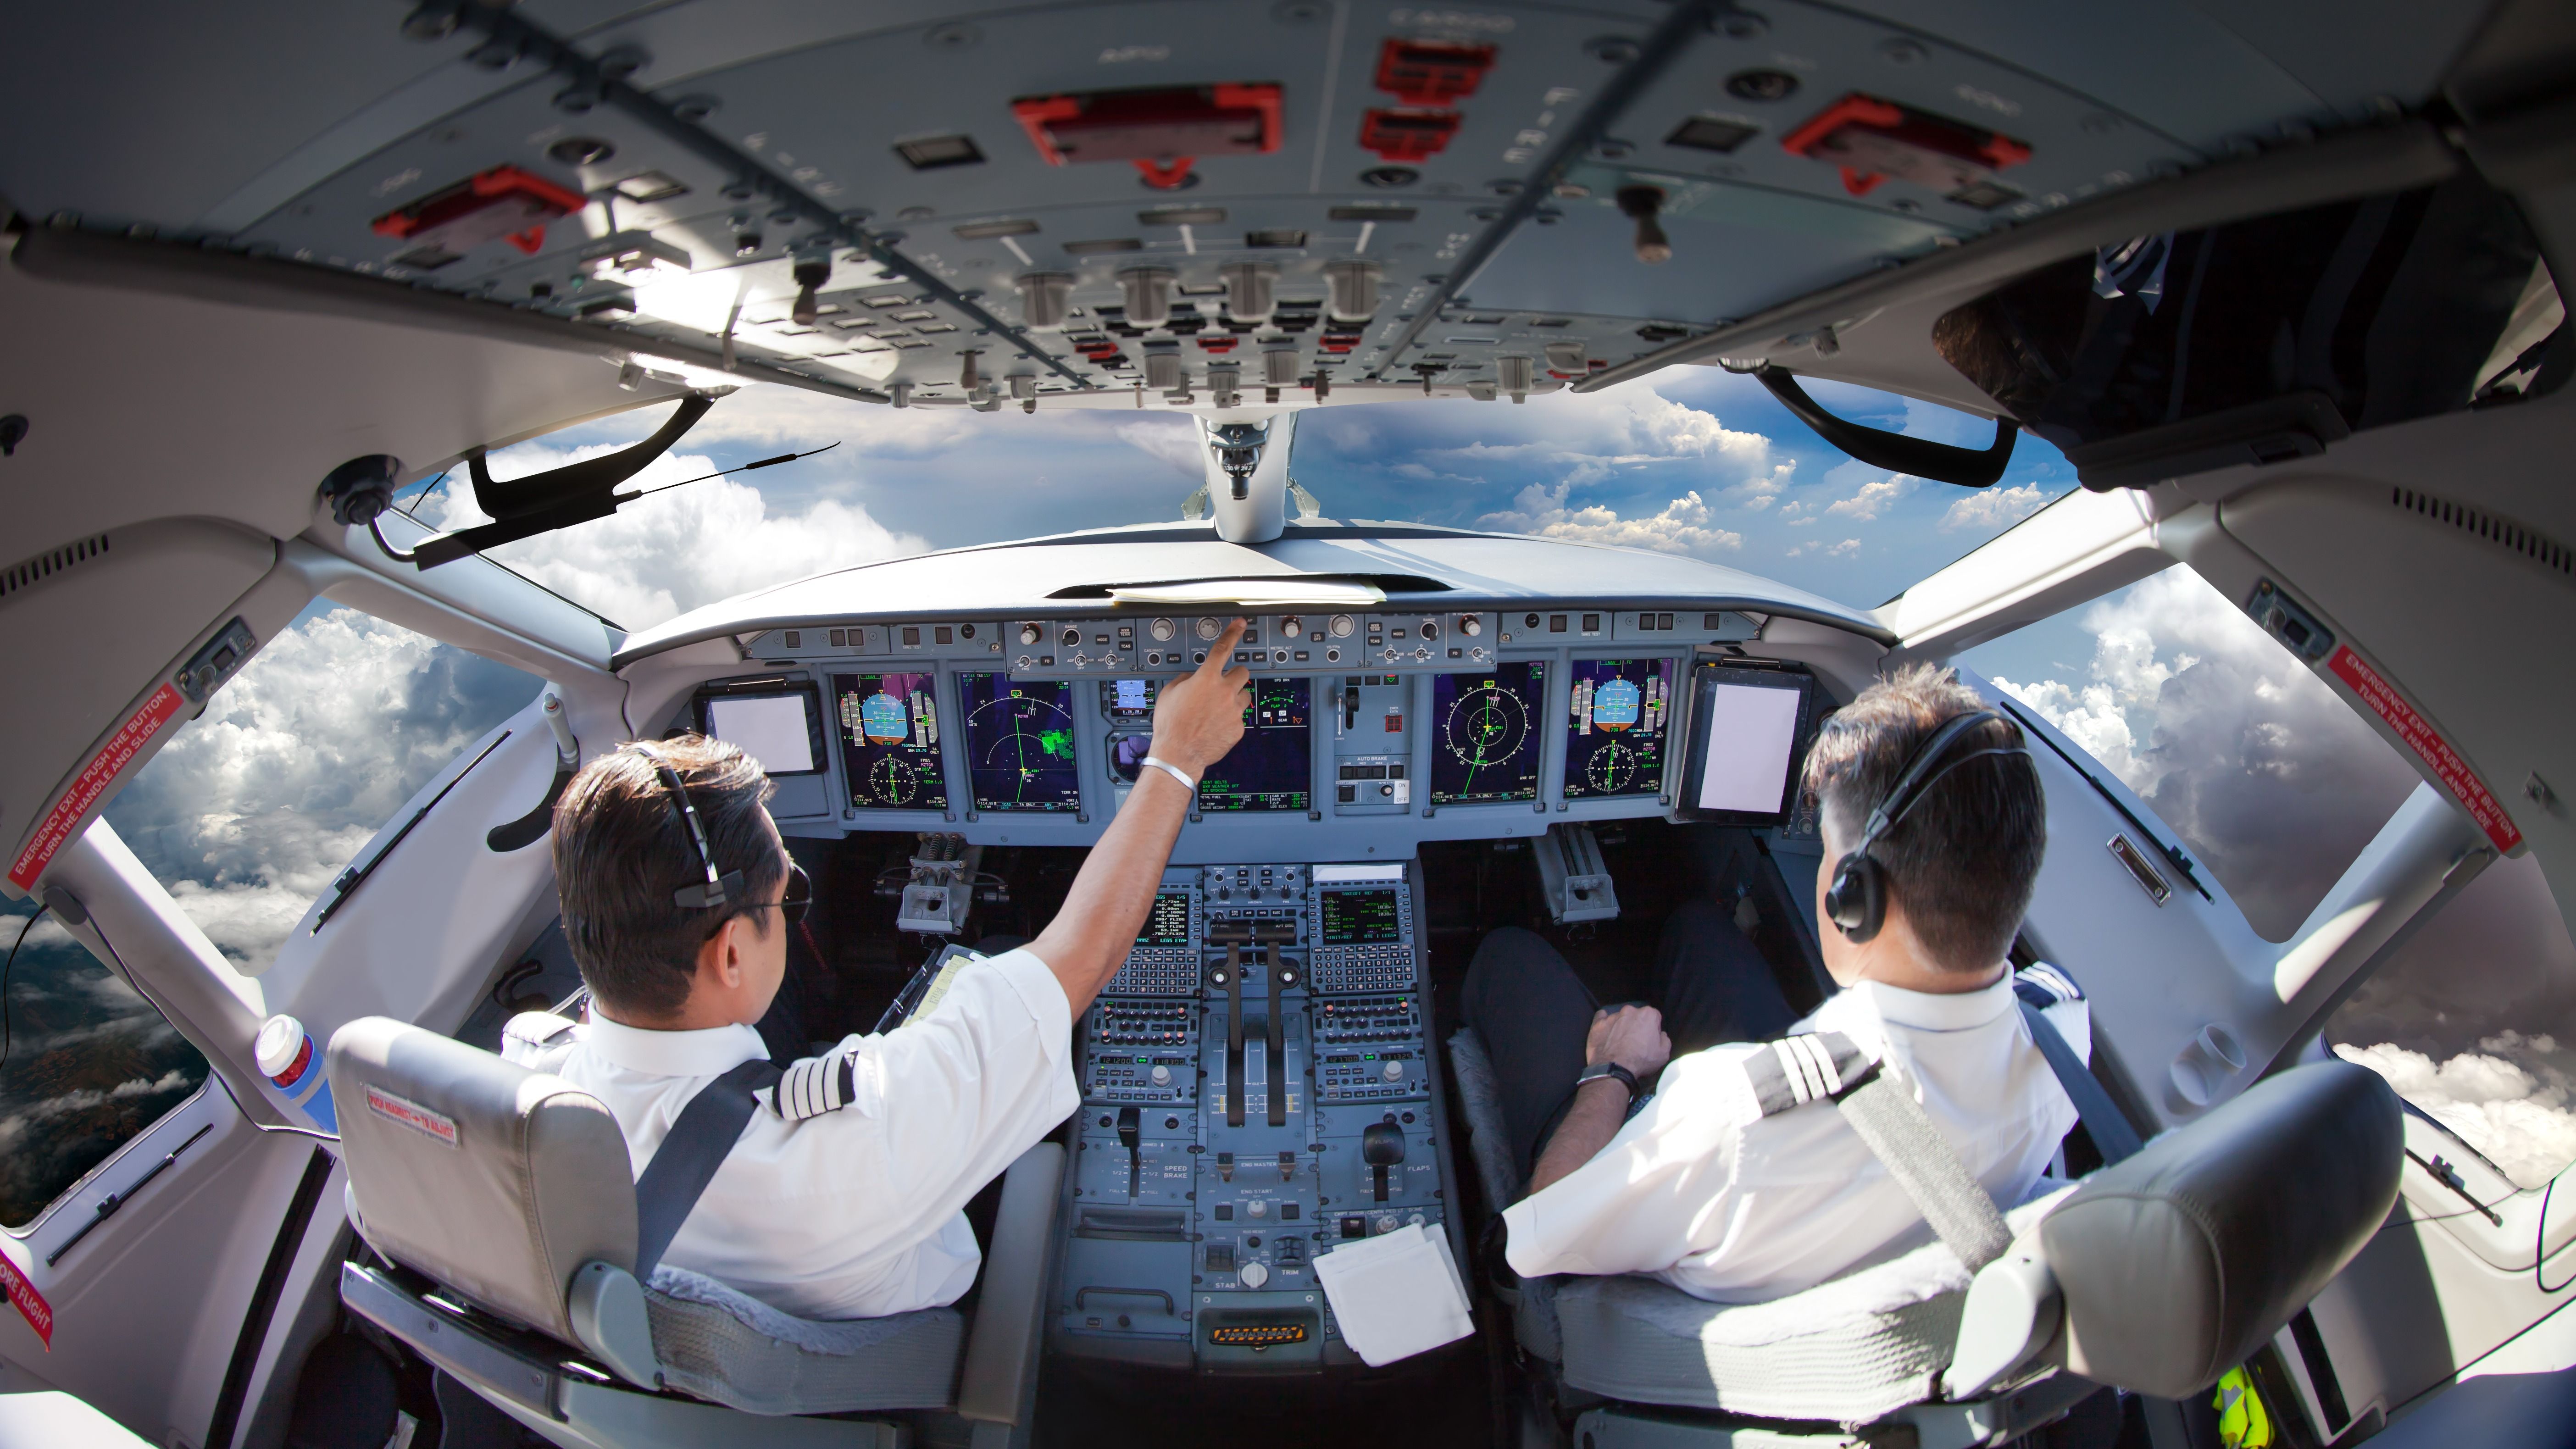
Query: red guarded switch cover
[[1872, 139], [1397, 134], [1430, 73], [502, 203], [1162, 130]]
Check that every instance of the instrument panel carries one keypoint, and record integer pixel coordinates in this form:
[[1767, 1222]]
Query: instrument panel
[[1455, 725]]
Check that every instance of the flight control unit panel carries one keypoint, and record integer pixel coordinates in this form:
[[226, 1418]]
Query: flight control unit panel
[[1258, 1089]]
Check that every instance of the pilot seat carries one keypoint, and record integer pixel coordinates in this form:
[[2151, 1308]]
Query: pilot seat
[[500, 1203], [2156, 1274]]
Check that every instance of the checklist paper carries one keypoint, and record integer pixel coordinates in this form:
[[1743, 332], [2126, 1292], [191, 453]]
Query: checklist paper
[[1395, 1295]]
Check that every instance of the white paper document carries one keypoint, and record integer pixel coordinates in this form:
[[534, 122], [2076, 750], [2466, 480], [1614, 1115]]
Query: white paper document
[[1395, 1295]]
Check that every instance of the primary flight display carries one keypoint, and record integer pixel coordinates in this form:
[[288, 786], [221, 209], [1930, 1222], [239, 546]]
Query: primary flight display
[[1617, 713], [890, 741]]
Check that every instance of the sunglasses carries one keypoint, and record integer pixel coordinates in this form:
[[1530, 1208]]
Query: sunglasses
[[799, 896]]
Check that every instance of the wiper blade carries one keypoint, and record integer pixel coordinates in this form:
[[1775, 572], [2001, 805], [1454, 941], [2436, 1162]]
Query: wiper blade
[[358, 871]]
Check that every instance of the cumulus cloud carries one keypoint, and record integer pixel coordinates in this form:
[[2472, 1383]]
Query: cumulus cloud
[[1991, 509], [1872, 499], [662, 556], [253, 807], [2514, 1112], [2269, 777], [1579, 439], [1683, 525]]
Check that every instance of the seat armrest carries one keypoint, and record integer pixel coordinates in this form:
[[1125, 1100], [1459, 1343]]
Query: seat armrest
[[1002, 1346], [606, 1306], [2013, 1311]]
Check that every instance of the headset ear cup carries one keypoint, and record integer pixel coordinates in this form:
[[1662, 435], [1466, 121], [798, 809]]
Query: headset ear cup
[[1857, 899]]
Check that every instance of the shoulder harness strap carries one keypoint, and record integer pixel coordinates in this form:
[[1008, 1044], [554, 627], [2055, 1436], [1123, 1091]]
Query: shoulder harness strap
[[686, 1162]]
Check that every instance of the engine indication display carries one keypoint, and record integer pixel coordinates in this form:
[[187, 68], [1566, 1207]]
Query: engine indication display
[[889, 731], [1272, 766], [1019, 742], [1488, 744], [1617, 713]]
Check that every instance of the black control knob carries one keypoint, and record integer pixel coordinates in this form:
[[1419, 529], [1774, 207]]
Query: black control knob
[[1430, 630], [1072, 637]]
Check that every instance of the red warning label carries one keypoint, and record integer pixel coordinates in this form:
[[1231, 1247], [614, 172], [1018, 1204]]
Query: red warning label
[[119, 751], [31, 1305], [2420, 736]]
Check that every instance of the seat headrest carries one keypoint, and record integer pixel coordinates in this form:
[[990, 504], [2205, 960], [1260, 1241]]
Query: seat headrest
[[497, 1181], [2179, 1262]]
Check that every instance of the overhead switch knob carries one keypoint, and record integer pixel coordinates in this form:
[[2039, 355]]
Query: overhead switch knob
[[1279, 364], [1044, 299], [1352, 286], [1515, 374], [1642, 202], [1248, 290], [1149, 295]]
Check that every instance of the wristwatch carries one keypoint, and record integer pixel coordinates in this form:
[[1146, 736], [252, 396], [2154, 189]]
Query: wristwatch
[[1598, 1070]]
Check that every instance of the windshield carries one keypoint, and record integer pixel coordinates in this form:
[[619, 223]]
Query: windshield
[[1696, 462]]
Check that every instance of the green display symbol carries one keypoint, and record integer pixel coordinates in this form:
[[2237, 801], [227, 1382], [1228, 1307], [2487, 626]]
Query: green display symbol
[[1058, 743]]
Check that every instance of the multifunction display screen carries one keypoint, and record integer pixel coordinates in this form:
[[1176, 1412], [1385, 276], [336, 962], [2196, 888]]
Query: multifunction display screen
[[1617, 713], [889, 728], [1169, 923], [1272, 766], [1019, 742], [1360, 918], [1486, 744]]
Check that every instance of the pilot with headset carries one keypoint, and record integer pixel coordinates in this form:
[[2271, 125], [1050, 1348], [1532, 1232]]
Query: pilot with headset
[[1934, 823], [836, 1187]]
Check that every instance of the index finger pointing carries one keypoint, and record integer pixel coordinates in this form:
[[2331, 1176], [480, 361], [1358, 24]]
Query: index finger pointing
[[1223, 650]]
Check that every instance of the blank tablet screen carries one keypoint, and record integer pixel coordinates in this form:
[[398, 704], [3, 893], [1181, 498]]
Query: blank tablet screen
[[776, 730], [1750, 733]]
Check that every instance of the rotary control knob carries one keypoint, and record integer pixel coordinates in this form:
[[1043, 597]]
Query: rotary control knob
[[1162, 630], [1254, 1274], [1471, 626], [1291, 627], [1256, 1209], [1342, 626], [1162, 1075], [1430, 629], [1208, 628], [1030, 634], [1394, 1071], [1072, 637]]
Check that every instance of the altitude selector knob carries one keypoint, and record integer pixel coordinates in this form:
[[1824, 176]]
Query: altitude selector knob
[[1029, 634], [1162, 1076]]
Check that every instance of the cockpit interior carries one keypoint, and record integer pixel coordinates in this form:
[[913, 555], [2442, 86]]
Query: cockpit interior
[[2256, 308]]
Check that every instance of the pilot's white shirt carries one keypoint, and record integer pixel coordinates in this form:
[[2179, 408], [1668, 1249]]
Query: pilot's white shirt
[[1699, 1190], [856, 1213]]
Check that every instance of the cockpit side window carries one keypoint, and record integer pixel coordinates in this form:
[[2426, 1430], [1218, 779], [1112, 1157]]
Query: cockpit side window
[[2473, 1020], [2269, 779], [85, 1064], [251, 810]]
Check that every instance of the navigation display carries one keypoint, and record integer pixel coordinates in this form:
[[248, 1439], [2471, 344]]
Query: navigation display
[[776, 727], [1019, 742], [1129, 701], [1360, 918], [1617, 712], [1746, 729], [1169, 923], [890, 741], [1272, 766], [1488, 742]]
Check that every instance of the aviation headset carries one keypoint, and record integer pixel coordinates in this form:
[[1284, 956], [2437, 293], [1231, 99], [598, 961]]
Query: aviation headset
[[1856, 901], [715, 890]]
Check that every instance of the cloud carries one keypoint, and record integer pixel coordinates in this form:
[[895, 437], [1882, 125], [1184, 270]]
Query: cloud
[[1683, 525], [1761, 490], [1169, 438], [662, 556], [2270, 778], [1991, 509], [1873, 498], [253, 807], [2514, 1112]]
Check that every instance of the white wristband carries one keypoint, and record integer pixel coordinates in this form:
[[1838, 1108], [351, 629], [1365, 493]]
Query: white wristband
[[1175, 771]]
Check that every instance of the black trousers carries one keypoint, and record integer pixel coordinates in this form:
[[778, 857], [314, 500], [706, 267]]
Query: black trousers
[[1532, 1012]]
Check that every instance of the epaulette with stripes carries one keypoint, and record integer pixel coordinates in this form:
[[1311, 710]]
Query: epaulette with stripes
[[1810, 1067], [2044, 986], [816, 1086]]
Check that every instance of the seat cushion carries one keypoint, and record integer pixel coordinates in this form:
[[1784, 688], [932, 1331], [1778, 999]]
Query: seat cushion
[[1848, 1350], [718, 1344]]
